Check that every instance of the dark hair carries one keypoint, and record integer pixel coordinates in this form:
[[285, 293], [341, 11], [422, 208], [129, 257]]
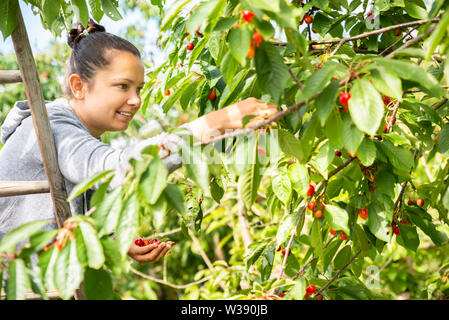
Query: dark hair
[[89, 52]]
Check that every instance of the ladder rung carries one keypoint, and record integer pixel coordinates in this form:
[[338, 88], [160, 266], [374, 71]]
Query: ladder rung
[[17, 188], [10, 76], [30, 295]]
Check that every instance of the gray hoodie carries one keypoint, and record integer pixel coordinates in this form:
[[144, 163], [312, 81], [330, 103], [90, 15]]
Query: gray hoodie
[[80, 156]]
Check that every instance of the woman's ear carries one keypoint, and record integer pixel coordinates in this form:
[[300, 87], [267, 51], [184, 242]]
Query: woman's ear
[[77, 86]]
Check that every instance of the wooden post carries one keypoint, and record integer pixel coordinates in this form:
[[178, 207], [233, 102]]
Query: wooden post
[[10, 76], [17, 188], [40, 120]]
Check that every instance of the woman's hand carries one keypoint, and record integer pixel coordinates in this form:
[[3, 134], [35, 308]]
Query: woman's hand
[[149, 253], [216, 122]]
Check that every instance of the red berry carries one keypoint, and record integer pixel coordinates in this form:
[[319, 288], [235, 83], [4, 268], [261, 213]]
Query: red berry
[[251, 51], [319, 214], [198, 32], [420, 202], [190, 46], [146, 242], [153, 241], [319, 297], [369, 15], [385, 128], [363, 213], [281, 295], [279, 248], [248, 15], [139, 242], [436, 138], [396, 230], [410, 202], [323, 205], [386, 100], [200, 201], [311, 289], [257, 38], [312, 205], [343, 236], [398, 32], [212, 95], [344, 98], [167, 93], [332, 231], [283, 252], [338, 153], [311, 190], [405, 223], [308, 19]]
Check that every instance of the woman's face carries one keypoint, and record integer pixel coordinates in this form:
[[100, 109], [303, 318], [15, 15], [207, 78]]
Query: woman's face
[[111, 99]]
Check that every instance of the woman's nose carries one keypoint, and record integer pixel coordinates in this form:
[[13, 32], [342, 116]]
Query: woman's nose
[[134, 100]]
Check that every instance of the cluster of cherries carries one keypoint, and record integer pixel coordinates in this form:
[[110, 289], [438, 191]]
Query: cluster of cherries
[[257, 37], [145, 242]]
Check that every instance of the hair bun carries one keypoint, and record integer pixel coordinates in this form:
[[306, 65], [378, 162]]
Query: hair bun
[[76, 34]]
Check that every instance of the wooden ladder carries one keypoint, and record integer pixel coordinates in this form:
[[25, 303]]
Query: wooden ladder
[[55, 184]]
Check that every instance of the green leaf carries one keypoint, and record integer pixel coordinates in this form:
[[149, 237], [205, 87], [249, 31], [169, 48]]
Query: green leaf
[[38, 241], [229, 67], [424, 221], [127, 227], [290, 144], [154, 180], [271, 71], [402, 159], [113, 259], [330, 252], [68, 271], [98, 284], [299, 177], [316, 240], [8, 16], [94, 250], [239, 40], [408, 237], [343, 256], [49, 271], [286, 227], [269, 5], [366, 106], [378, 221], [95, 9], [299, 290], [86, 184], [110, 8], [201, 14], [249, 181], [318, 80], [12, 238], [325, 102], [107, 213], [280, 183], [436, 37], [175, 198], [337, 218], [253, 252], [416, 9], [443, 140], [195, 162], [351, 136], [412, 72], [387, 82], [17, 283], [81, 11], [50, 10], [367, 152], [324, 158], [266, 261]]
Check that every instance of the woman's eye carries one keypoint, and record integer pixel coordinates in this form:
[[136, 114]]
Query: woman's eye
[[122, 86], [138, 90]]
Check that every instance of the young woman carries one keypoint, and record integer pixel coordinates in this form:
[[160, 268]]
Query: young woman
[[103, 80]]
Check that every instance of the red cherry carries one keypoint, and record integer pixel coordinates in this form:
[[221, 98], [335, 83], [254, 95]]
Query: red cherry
[[139, 242], [308, 19], [190, 46], [396, 230], [405, 223], [338, 153], [319, 214], [146, 242], [436, 138], [386, 100], [363, 213], [332, 231], [279, 248], [167, 93], [251, 51], [311, 289], [312, 205], [311, 190], [420, 202], [200, 201], [398, 32], [198, 32], [319, 297], [385, 128], [369, 15], [257, 38], [344, 98], [153, 241], [343, 236], [248, 15], [283, 252], [410, 202], [212, 95]]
